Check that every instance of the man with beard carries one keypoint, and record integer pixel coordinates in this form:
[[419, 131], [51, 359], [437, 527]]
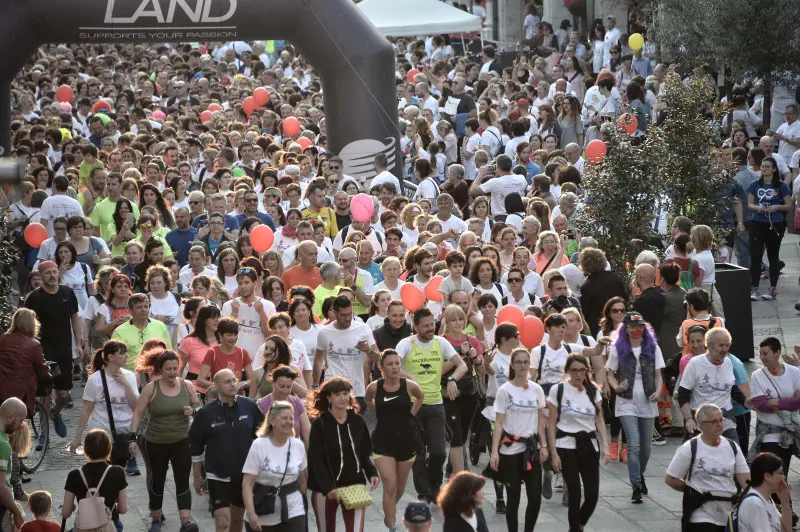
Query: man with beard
[[103, 212], [250, 311], [94, 193], [341, 208]]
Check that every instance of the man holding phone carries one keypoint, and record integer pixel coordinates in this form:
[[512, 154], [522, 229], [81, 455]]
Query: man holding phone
[[503, 184]]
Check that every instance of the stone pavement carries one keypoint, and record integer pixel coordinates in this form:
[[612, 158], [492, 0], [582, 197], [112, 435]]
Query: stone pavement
[[659, 513]]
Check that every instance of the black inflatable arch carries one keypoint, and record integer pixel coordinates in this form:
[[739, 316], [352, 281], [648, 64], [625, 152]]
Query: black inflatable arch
[[355, 63]]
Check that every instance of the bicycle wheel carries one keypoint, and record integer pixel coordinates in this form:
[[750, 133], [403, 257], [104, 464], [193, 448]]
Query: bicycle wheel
[[40, 439]]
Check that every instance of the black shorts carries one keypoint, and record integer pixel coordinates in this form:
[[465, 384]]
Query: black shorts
[[63, 381], [225, 494], [401, 448]]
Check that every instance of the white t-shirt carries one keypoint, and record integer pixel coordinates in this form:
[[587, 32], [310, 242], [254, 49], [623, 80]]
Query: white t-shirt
[[792, 132], [774, 387], [76, 279], [395, 293], [492, 138], [497, 290], [187, 275], [309, 339], [521, 407], [578, 413], [282, 243], [705, 260], [386, 177], [713, 472], [639, 405], [168, 306], [344, 360], [757, 514], [532, 285], [525, 302], [60, 205], [500, 365], [471, 145], [123, 414], [500, 187], [268, 463], [250, 335], [710, 384], [551, 367], [300, 360]]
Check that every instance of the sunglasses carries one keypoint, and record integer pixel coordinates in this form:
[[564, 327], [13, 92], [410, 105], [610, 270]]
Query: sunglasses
[[618, 311], [333, 182], [515, 280], [245, 271], [146, 226], [251, 200]]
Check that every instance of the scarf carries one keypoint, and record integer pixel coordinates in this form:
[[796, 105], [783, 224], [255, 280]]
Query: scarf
[[289, 231]]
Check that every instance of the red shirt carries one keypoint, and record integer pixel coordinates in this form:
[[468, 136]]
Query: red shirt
[[40, 526], [296, 276], [234, 362]]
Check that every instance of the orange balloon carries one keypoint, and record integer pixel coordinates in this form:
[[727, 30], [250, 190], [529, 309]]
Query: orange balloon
[[261, 96], [511, 314], [596, 151], [628, 123], [532, 332], [412, 297], [291, 127], [64, 93], [261, 238], [205, 116], [214, 107], [35, 234], [100, 105], [249, 105], [413, 73], [432, 289], [304, 142]]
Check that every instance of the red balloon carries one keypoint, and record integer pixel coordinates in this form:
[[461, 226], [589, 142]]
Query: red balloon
[[214, 107], [596, 151], [291, 127], [261, 238], [511, 314], [101, 105], [432, 289], [304, 142], [64, 93], [413, 73], [35, 234], [532, 332], [261, 96], [412, 297], [628, 123], [205, 116], [249, 105]]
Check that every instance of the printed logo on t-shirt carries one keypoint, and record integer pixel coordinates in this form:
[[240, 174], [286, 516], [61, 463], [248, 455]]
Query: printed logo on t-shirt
[[566, 406], [706, 385], [707, 472]]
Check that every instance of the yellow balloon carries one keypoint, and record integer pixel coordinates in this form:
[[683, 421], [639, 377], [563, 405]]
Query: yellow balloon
[[636, 41]]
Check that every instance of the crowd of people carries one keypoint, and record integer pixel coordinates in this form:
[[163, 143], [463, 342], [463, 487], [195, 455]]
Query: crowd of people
[[288, 383]]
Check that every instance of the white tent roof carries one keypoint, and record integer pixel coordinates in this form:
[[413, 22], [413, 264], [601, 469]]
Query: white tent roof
[[400, 18]]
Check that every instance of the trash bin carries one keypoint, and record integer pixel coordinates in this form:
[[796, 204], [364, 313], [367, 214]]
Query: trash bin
[[733, 285]]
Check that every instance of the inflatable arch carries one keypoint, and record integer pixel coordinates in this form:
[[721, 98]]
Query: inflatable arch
[[355, 63]]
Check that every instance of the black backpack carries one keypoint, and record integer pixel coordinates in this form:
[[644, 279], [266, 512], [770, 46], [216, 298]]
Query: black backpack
[[560, 395], [541, 360]]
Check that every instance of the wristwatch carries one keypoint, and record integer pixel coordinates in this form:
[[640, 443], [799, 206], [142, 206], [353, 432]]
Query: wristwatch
[[354, 287], [451, 379]]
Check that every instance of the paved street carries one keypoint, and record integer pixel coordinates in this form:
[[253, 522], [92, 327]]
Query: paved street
[[660, 512]]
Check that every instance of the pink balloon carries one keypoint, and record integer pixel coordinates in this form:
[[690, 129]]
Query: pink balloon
[[66, 107], [361, 207], [159, 115]]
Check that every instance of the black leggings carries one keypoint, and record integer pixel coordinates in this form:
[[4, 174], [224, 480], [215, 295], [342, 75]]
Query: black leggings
[[764, 235], [575, 467], [157, 459], [459, 415], [512, 471]]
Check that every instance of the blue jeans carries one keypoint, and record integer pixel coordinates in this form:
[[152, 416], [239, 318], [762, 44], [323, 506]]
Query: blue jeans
[[741, 247], [639, 431]]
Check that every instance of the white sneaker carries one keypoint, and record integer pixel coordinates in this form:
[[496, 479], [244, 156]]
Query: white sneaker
[[755, 294], [558, 481]]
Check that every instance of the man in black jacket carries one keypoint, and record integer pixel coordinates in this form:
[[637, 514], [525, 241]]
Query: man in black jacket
[[220, 438], [650, 303], [394, 329]]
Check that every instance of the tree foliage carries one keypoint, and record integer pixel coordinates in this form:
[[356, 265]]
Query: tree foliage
[[695, 180], [9, 255]]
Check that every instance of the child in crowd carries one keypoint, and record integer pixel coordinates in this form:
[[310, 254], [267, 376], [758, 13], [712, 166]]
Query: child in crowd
[[39, 503]]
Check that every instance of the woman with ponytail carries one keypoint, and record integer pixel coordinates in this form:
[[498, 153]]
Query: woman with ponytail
[[122, 391], [634, 373], [757, 511]]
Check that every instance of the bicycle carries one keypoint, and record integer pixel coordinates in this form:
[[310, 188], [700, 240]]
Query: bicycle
[[40, 425]]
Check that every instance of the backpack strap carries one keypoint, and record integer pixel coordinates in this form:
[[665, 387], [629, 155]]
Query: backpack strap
[[499, 288], [87, 275], [585, 340], [504, 300], [559, 396], [568, 349], [712, 322], [541, 361], [693, 449], [99, 484]]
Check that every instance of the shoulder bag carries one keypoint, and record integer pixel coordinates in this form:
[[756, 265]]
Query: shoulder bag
[[120, 451]]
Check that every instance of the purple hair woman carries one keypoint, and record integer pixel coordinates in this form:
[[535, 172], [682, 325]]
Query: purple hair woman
[[634, 373]]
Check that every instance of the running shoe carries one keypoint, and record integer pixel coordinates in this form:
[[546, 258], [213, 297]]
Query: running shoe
[[658, 438], [132, 468], [636, 497], [558, 481], [155, 525], [547, 486], [188, 525], [771, 294], [644, 487], [40, 441], [755, 295], [59, 425], [500, 507]]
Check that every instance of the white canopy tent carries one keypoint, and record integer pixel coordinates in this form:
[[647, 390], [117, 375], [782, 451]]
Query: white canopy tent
[[401, 18]]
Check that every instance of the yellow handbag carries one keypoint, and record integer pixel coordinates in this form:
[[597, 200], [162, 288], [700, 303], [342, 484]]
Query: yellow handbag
[[355, 496]]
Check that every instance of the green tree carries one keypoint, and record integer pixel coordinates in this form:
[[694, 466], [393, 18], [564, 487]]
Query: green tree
[[622, 192], [9, 255], [694, 173]]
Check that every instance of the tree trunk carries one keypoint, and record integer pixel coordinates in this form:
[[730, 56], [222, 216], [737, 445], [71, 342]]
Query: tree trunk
[[766, 112]]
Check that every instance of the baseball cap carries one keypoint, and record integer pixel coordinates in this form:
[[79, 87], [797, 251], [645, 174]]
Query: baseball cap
[[633, 318], [417, 513]]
